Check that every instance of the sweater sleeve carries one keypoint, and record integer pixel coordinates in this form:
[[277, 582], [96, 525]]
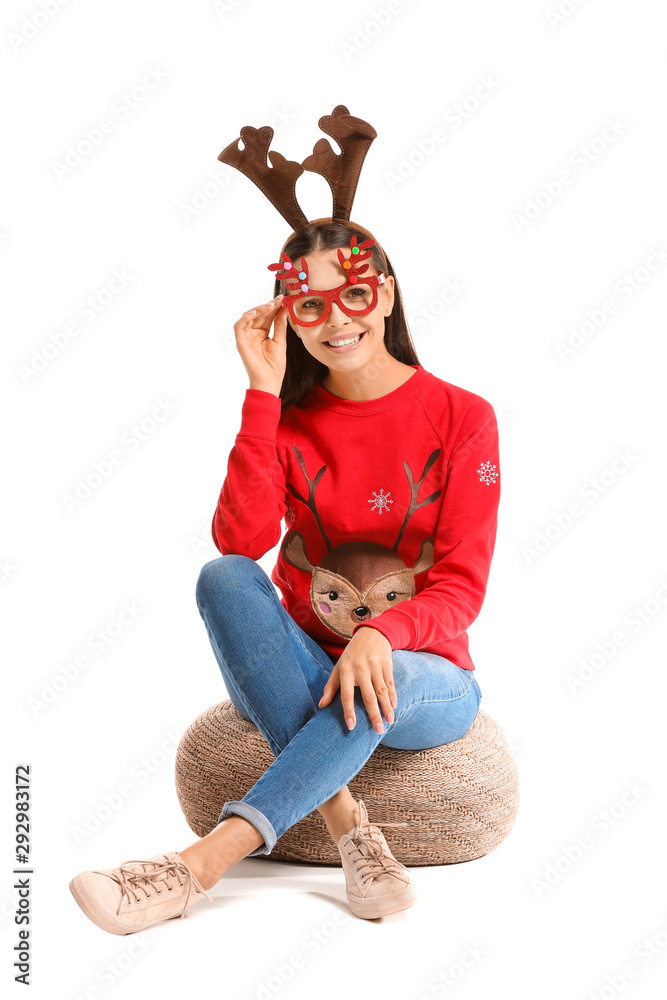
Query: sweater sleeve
[[252, 500], [455, 586]]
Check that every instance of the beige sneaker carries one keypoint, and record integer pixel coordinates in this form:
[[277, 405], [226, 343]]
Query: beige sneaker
[[376, 883], [138, 894]]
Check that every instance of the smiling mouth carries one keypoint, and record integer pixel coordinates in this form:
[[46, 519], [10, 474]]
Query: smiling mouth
[[345, 341]]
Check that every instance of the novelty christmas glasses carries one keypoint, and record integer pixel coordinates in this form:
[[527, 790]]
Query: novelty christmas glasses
[[308, 306]]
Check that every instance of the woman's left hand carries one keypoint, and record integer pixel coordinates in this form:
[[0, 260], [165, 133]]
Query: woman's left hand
[[366, 661]]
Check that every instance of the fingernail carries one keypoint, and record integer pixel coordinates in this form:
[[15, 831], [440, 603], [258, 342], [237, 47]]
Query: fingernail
[[394, 703], [250, 312], [379, 727], [390, 717], [350, 723]]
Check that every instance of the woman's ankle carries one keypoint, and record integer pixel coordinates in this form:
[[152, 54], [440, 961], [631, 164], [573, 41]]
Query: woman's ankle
[[228, 843], [206, 875], [342, 819]]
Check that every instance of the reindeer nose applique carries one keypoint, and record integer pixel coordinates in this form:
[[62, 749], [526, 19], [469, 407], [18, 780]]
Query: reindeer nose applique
[[362, 611]]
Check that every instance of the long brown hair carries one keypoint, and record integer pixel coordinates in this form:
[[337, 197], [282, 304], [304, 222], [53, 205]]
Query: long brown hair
[[302, 370]]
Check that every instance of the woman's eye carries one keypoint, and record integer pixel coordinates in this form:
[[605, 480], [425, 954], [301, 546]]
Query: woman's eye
[[358, 292]]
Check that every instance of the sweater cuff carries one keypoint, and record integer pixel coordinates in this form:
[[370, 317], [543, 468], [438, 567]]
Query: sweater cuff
[[260, 414], [394, 626]]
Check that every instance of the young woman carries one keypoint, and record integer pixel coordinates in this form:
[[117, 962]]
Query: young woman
[[387, 479]]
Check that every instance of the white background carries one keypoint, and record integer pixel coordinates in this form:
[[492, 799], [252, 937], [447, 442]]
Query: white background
[[195, 238]]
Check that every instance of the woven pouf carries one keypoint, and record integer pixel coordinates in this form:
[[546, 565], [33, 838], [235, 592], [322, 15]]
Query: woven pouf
[[459, 801]]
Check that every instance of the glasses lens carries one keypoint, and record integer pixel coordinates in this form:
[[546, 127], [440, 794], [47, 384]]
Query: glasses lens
[[310, 308], [355, 298]]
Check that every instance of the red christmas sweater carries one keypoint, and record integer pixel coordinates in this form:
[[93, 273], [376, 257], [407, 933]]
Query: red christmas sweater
[[390, 507]]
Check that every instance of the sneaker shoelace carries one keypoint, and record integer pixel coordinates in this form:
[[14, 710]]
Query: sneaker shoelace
[[367, 851], [130, 880]]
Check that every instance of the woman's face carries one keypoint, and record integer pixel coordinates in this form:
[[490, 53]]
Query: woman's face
[[324, 272]]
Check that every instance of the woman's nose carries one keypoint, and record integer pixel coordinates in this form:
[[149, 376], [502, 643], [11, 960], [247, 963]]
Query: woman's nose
[[337, 316]]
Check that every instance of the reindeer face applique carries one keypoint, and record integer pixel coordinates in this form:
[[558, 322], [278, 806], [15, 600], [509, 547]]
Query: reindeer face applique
[[356, 581]]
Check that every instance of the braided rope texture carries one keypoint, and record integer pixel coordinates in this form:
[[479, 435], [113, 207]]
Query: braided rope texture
[[460, 800]]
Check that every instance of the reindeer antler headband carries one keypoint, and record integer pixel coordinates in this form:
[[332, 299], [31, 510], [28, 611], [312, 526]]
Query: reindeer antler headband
[[278, 183]]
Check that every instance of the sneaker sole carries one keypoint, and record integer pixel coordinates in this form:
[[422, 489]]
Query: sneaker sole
[[101, 917], [382, 906]]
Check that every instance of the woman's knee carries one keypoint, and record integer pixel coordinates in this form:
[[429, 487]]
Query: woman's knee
[[225, 574], [414, 671]]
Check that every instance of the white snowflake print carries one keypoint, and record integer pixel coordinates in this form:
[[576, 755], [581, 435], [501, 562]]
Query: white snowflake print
[[487, 473], [380, 501]]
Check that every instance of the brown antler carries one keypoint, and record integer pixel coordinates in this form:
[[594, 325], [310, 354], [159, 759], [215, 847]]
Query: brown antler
[[414, 490], [341, 170], [312, 486], [277, 182]]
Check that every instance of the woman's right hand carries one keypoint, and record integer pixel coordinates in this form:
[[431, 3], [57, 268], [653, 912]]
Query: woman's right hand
[[264, 358]]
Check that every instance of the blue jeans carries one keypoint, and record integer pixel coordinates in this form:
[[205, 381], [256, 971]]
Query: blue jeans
[[275, 675]]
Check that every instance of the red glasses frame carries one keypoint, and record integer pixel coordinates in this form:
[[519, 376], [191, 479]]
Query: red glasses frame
[[300, 289]]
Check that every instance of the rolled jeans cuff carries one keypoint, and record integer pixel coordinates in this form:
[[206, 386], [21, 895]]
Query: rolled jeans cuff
[[258, 819]]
